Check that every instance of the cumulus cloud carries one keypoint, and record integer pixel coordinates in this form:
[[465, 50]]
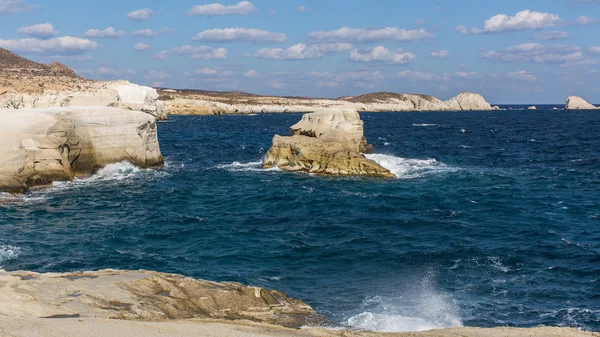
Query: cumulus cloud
[[144, 33], [14, 6], [202, 52], [535, 53], [58, 46], [162, 55], [346, 34], [302, 51], [416, 75], [595, 50], [42, 30], [553, 35], [383, 55], [251, 73], [239, 34], [142, 46], [466, 74], [140, 14], [109, 32], [216, 9], [585, 20], [440, 53], [523, 20]]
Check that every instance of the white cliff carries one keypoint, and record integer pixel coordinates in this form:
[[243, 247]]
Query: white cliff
[[43, 145], [578, 103], [469, 102]]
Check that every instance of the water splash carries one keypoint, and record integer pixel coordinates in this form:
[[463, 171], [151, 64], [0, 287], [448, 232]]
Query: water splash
[[246, 167], [7, 253], [404, 168]]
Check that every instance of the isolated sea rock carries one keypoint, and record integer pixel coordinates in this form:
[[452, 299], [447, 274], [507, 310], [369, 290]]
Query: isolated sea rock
[[146, 296], [578, 103], [326, 142], [468, 101], [532, 108], [55, 144]]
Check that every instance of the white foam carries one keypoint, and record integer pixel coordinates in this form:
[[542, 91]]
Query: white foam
[[389, 323], [404, 168], [8, 253], [116, 171], [424, 125], [246, 167]]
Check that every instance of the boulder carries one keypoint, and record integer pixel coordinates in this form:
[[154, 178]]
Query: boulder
[[55, 144], [145, 296], [468, 101], [578, 103], [532, 108], [326, 142]]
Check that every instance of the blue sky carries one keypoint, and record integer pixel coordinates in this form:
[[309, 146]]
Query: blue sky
[[535, 51]]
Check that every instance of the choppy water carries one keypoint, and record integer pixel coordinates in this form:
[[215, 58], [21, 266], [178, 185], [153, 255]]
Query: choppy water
[[494, 220]]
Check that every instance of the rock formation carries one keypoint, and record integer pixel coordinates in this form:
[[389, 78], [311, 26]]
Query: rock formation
[[147, 296], [468, 101], [578, 103], [533, 107], [190, 102], [327, 142], [11, 62], [40, 146]]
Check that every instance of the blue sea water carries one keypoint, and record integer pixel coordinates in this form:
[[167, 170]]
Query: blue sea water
[[494, 219]]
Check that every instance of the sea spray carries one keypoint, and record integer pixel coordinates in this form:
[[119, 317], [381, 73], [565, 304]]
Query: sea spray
[[404, 168]]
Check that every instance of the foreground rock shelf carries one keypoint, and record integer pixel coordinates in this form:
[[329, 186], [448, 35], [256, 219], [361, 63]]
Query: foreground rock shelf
[[145, 303]]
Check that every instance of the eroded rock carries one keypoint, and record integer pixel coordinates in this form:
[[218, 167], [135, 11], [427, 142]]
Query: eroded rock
[[578, 103], [468, 101]]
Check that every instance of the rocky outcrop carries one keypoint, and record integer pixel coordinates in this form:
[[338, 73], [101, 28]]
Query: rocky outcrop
[[578, 103], [327, 142], [11, 62], [147, 296], [468, 101], [40, 146], [533, 107]]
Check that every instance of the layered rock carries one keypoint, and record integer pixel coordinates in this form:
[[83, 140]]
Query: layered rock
[[40, 146], [578, 103], [147, 296], [327, 142], [469, 102]]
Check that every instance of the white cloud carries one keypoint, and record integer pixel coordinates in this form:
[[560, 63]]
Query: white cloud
[[417, 75], [535, 53], [140, 14], [216, 9], [382, 54], [42, 30], [162, 55], [440, 53], [465, 74], [362, 79], [522, 75], [346, 34], [462, 29], [301, 51], [419, 21], [59, 46], [212, 72], [595, 50], [142, 46], [523, 20], [239, 34], [158, 75], [14, 6], [144, 33], [302, 8], [251, 73], [585, 20], [202, 53], [108, 32], [553, 35]]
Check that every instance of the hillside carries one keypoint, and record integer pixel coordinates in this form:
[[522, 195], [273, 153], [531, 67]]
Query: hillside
[[11, 62]]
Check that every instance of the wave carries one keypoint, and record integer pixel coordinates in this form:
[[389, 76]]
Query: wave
[[255, 166], [8, 253], [424, 125], [404, 168]]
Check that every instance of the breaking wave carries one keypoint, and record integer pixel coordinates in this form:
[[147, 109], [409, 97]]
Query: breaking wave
[[404, 168], [255, 166], [8, 253]]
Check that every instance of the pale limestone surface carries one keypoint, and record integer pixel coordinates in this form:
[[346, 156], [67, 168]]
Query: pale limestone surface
[[40, 146], [468, 101], [326, 142], [578, 103]]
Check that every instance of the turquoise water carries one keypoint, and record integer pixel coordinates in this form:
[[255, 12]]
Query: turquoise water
[[494, 219]]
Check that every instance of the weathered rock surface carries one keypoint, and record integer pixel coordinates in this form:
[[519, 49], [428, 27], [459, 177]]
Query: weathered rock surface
[[578, 103], [327, 142], [40, 146], [207, 103], [532, 108], [468, 101], [146, 296]]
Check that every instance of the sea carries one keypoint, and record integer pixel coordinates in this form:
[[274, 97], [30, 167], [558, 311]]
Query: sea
[[493, 219]]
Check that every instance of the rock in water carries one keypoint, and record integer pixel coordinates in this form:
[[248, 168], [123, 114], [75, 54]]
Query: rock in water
[[532, 108], [145, 296], [468, 101], [55, 144], [578, 103], [327, 142]]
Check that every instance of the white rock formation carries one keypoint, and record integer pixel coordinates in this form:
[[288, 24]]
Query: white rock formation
[[469, 102], [40, 146], [532, 108], [578, 103]]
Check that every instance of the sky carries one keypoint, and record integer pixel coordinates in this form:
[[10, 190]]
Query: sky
[[510, 51]]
